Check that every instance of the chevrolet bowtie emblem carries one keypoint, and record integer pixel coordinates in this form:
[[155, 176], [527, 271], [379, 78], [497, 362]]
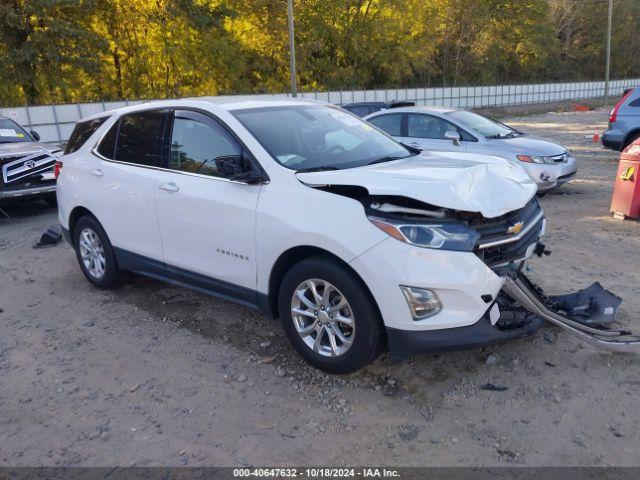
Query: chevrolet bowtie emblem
[[515, 228]]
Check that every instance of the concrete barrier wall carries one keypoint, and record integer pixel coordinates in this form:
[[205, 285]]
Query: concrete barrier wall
[[55, 123]]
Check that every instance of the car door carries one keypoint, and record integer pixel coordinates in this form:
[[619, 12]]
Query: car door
[[428, 132], [207, 222], [122, 180]]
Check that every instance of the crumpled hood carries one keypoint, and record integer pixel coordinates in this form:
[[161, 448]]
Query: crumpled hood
[[22, 149], [528, 145], [492, 188]]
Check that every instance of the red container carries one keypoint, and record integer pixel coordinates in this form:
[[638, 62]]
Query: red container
[[626, 193]]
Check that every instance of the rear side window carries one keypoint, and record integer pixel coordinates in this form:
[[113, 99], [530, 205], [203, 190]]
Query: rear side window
[[136, 138], [140, 138], [391, 123], [81, 134], [359, 111], [635, 103]]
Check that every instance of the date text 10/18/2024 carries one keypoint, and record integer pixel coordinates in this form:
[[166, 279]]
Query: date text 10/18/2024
[[316, 472]]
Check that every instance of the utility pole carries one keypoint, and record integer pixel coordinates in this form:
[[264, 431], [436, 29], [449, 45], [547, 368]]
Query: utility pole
[[292, 50], [606, 78]]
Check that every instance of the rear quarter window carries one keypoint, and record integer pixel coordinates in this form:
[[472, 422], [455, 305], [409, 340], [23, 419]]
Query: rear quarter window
[[635, 103], [81, 133]]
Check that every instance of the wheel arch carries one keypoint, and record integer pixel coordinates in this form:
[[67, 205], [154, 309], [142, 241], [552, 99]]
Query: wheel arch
[[295, 255], [629, 138], [75, 215]]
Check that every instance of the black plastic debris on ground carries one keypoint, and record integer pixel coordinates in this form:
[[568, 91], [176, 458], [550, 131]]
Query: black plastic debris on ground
[[50, 238], [493, 387]]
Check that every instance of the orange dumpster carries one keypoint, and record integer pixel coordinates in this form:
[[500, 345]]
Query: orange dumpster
[[626, 192]]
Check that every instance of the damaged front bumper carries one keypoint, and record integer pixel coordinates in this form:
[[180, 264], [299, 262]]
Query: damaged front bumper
[[519, 310], [586, 314]]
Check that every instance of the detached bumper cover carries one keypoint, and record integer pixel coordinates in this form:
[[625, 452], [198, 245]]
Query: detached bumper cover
[[586, 314]]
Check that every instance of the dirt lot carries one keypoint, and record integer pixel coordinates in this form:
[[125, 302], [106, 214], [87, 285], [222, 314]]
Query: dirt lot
[[158, 375]]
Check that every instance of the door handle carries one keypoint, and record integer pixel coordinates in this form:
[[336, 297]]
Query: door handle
[[169, 187], [96, 172]]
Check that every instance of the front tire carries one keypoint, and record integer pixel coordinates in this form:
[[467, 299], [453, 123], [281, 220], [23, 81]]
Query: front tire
[[329, 316], [95, 254]]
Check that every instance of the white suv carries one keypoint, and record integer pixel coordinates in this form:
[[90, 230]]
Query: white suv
[[305, 211]]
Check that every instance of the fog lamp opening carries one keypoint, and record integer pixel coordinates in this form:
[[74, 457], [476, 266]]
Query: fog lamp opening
[[423, 303]]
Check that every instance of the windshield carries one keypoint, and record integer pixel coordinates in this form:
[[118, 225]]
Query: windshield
[[11, 132], [318, 137], [486, 126]]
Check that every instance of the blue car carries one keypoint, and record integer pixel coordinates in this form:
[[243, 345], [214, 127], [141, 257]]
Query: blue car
[[624, 122]]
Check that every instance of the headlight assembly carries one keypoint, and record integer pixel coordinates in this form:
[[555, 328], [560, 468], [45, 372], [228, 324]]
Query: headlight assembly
[[549, 160], [437, 234], [532, 159]]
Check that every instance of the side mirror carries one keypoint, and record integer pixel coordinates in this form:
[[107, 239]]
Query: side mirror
[[233, 167], [35, 135], [453, 136]]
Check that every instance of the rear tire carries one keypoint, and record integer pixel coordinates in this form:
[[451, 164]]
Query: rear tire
[[95, 254], [319, 297]]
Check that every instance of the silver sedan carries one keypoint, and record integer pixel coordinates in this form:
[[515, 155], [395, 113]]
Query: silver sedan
[[446, 129]]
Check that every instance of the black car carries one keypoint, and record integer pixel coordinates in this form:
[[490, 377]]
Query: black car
[[27, 166], [362, 109]]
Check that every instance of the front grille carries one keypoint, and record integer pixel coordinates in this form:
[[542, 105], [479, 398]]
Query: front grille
[[498, 245], [27, 170]]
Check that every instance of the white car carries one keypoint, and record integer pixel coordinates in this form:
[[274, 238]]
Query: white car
[[309, 213], [450, 130]]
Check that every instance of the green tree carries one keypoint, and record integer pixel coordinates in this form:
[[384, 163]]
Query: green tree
[[45, 49]]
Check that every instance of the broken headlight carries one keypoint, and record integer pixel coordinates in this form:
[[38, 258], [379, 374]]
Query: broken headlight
[[436, 234]]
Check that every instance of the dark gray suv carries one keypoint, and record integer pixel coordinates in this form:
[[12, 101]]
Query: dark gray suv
[[26, 166], [624, 121]]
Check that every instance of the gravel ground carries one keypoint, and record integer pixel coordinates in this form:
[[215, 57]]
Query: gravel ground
[[157, 375]]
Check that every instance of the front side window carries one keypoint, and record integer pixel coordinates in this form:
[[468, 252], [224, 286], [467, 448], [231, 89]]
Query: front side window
[[484, 125], [196, 142], [318, 137], [11, 132], [428, 126], [81, 133], [392, 123]]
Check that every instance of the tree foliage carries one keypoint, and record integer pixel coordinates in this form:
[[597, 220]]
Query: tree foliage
[[87, 50]]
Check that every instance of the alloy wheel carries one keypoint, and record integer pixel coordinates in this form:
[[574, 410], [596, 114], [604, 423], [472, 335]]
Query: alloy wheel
[[92, 253], [323, 317]]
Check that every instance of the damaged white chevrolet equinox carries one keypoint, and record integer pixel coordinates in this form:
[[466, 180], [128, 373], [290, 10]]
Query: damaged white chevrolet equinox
[[303, 210]]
